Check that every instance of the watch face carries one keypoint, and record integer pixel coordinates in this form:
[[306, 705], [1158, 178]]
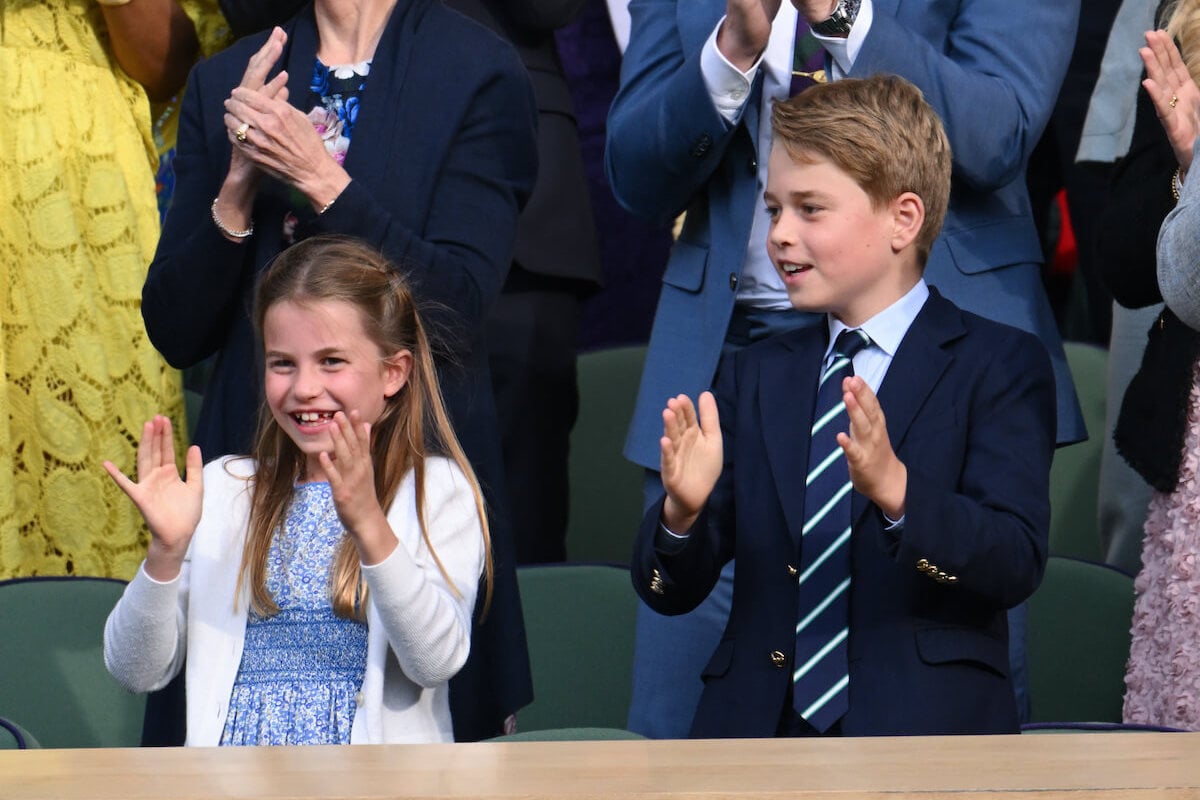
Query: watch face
[[834, 26], [840, 20]]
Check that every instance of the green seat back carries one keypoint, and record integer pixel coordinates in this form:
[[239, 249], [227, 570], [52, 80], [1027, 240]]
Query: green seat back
[[1079, 622], [568, 735], [579, 621], [1075, 473], [605, 488], [54, 680]]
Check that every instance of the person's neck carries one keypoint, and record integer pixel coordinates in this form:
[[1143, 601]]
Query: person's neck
[[349, 30]]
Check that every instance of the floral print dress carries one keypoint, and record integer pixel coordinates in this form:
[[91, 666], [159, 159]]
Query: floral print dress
[[302, 669], [336, 93]]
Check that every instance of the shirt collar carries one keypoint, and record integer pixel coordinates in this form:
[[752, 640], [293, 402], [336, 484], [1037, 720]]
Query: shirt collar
[[887, 328]]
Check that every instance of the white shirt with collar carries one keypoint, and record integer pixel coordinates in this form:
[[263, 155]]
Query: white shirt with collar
[[886, 329], [729, 87]]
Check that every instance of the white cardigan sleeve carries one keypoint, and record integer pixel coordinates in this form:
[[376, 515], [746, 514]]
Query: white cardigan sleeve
[[144, 637], [428, 621]]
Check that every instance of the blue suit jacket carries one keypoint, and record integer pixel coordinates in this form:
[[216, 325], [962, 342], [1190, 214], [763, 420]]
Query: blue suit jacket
[[970, 411], [991, 69]]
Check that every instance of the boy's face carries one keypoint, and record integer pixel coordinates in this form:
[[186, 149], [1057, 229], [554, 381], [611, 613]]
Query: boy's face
[[834, 251]]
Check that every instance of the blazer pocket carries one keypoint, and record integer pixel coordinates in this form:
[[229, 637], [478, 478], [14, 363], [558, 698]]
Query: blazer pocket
[[720, 661], [685, 270], [948, 645], [980, 248]]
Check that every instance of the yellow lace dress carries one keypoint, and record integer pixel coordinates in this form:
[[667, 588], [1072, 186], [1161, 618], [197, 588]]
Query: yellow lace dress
[[78, 227]]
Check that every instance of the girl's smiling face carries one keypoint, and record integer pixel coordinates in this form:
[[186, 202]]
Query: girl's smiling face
[[319, 360]]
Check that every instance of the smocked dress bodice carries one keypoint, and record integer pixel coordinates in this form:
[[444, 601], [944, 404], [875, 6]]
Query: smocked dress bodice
[[302, 669]]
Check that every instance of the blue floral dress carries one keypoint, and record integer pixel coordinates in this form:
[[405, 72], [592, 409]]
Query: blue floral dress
[[302, 669], [335, 94]]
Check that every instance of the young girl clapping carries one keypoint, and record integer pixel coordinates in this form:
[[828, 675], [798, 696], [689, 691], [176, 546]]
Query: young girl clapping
[[320, 590]]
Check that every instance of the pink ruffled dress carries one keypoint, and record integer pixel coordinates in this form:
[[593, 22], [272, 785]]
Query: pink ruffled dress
[[1162, 681]]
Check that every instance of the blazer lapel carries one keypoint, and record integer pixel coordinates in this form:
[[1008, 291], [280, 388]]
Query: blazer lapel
[[787, 389], [916, 368], [383, 99]]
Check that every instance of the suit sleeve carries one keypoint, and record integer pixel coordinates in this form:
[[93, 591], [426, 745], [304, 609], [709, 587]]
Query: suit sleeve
[[665, 136], [675, 578], [994, 79], [198, 278], [990, 528]]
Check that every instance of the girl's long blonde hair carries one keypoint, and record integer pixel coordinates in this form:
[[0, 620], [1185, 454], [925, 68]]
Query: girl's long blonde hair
[[414, 423]]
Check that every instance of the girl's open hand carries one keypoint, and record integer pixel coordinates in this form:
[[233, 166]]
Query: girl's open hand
[[351, 475], [170, 506]]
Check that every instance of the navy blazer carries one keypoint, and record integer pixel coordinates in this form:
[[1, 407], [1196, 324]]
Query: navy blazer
[[670, 151], [443, 157], [969, 405]]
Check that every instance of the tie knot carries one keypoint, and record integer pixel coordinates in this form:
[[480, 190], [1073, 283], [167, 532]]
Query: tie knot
[[850, 341]]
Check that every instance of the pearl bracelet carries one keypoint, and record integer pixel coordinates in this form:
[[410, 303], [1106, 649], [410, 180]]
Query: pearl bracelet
[[227, 231]]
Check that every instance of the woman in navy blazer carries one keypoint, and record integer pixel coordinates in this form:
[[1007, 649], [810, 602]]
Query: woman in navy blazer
[[443, 157]]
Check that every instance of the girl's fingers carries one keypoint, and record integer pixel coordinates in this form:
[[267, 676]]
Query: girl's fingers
[[331, 473], [166, 444], [126, 485], [346, 434], [194, 467]]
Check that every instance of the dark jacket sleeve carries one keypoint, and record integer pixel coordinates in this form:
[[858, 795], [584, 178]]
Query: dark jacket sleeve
[[198, 279], [1139, 198], [674, 577]]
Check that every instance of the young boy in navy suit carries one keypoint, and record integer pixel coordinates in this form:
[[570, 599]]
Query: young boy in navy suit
[[874, 572]]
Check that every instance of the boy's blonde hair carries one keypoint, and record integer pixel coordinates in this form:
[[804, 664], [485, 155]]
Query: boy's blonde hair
[[414, 423], [880, 132]]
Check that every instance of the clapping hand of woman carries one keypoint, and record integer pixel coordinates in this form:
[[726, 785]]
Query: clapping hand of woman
[[269, 134], [1174, 93]]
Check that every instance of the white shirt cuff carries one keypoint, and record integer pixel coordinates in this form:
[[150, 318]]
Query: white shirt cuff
[[727, 85]]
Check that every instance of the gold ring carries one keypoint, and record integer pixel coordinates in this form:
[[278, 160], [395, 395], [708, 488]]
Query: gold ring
[[1174, 100], [240, 133]]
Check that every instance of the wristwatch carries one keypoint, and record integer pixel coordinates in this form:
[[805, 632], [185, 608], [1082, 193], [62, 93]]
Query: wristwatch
[[839, 21]]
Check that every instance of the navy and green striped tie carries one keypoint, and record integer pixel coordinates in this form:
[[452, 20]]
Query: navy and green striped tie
[[821, 694]]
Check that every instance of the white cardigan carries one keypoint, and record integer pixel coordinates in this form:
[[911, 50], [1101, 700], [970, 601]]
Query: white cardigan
[[419, 629]]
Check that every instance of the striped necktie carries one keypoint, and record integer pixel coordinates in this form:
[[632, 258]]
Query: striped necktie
[[821, 694], [808, 59]]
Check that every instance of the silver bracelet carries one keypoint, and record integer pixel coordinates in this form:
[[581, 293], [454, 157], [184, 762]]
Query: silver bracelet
[[227, 231], [327, 206]]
